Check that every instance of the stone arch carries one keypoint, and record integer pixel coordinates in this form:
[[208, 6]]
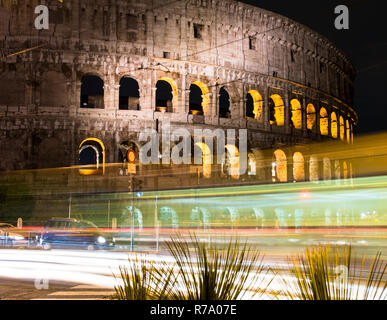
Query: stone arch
[[53, 89], [298, 167], [92, 92], [201, 215], [279, 166], [334, 126], [138, 216], [199, 99], [314, 169], [327, 170], [129, 94], [168, 217], [296, 110], [224, 103], [259, 164], [206, 158], [342, 128], [91, 156], [337, 169], [348, 128], [324, 121], [254, 105], [166, 94], [232, 160], [277, 110], [310, 116], [345, 170]]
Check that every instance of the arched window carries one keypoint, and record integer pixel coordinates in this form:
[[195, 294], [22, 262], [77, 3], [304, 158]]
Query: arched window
[[254, 105], [91, 156], [129, 95], [198, 98], [324, 122], [164, 96], [277, 110], [92, 92], [348, 131], [206, 158], [295, 107], [342, 128], [313, 169], [279, 166], [310, 116], [224, 104], [298, 167], [334, 127]]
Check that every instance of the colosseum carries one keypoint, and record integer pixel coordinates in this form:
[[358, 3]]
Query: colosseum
[[106, 70]]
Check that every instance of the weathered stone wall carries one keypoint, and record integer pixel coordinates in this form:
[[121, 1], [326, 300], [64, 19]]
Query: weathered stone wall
[[219, 43]]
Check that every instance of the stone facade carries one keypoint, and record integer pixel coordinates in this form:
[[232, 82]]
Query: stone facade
[[297, 79]]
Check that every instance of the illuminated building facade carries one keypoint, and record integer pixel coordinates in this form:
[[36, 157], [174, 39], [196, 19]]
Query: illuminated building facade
[[107, 70]]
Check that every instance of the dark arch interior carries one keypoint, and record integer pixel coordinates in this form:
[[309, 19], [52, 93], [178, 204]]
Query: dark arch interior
[[224, 104], [249, 106], [129, 94], [92, 92], [164, 95], [195, 99], [87, 156]]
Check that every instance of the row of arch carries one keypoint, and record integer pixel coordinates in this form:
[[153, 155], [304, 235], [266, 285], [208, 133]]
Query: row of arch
[[166, 96]]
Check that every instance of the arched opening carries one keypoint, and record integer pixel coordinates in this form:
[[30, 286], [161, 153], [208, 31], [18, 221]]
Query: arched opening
[[295, 108], [224, 104], [137, 217], [351, 133], [345, 170], [91, 156], [129, 94], [232, 160], [298, 167], [166, 90], [168, 217], [334, 128], [310, 116], [327, 171], [252, 164], [277, 110], [198, 98], [324, 121], [92, 92], [342, 128], [201, 216], [313, 169], [254, 105], [206, 158], [348, 131], [280, 167], [337, 170]]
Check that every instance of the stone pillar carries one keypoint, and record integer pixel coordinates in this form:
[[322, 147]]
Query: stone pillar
[[287, 115], [266, 109]]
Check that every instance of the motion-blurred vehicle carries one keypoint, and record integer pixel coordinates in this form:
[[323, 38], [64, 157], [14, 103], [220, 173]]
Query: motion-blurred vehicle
[[9, 235], [73, 233]]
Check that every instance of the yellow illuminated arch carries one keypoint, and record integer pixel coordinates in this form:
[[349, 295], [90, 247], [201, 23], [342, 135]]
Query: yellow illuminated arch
[[172, 83], [206, 158], [310, 116], [324, 122], [205, 95], [258, 103], [314, 169], [281, 164], [342, 128], [295, 107], [298, 167], [92, 171], [334, 129], [279, 110], [234, 160], [348, 131]]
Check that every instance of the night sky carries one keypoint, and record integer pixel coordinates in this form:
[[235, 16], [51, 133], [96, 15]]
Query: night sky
[[365, 42]]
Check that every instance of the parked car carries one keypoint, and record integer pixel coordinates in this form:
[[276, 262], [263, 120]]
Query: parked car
[[9, 235], [73, 233]]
